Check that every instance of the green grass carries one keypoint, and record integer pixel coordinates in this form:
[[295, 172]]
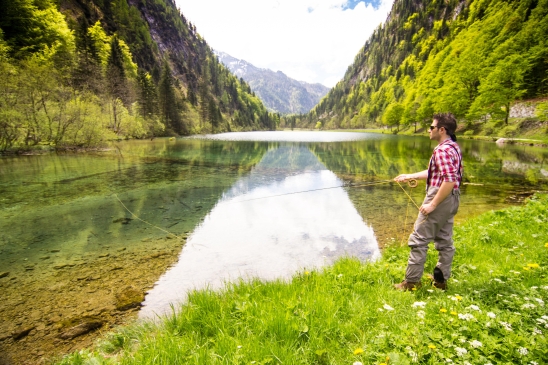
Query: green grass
[[495, 310]]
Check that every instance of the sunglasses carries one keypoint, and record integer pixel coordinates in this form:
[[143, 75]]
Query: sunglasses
[[433, 126]]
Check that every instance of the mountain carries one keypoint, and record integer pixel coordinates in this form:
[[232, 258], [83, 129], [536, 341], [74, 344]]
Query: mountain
[[81, 72], [474, 58], [277, 91]]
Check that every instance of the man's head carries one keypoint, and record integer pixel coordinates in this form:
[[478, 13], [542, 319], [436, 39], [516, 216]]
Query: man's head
[[444, 125]]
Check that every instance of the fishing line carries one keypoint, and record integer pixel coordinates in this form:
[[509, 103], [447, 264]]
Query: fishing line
[[412, 183]]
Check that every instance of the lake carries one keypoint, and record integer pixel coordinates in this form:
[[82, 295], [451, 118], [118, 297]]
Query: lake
[[83, 234]]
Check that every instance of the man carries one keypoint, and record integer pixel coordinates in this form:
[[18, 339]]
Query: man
[[435, 221]]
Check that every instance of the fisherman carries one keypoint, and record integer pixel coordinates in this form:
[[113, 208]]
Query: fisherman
[[435, 221]]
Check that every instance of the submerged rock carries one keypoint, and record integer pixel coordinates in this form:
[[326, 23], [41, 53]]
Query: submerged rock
[[129, 298], [21, 332], [3, 274], [80, 326]]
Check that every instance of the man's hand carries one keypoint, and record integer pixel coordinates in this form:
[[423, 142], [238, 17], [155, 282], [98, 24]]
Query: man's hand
[[402, 178], [426, 209]]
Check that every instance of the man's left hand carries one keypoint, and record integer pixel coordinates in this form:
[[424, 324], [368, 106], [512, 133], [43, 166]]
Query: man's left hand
[[427, 208]]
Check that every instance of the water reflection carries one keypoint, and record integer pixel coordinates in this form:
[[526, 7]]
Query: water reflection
[[270, 224]]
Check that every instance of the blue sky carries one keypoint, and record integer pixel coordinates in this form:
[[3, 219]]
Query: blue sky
[[308, 40]]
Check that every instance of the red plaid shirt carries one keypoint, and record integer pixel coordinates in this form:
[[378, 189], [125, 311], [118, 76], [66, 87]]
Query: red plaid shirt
[[445, 164]]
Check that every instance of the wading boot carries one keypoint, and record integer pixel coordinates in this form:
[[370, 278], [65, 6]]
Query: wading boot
[[439, 281], [407, 285]]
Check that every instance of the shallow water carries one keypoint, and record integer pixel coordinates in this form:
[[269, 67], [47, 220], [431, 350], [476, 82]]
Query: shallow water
[[243, 199]]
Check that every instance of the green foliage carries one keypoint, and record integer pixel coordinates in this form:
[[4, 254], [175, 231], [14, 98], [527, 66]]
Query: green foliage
[[473, 59], [90, 84]]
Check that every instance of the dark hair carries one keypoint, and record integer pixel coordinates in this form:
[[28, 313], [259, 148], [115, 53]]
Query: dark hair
[[447, 121]]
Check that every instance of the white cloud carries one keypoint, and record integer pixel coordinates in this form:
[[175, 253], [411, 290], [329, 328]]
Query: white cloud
[[308, 40]]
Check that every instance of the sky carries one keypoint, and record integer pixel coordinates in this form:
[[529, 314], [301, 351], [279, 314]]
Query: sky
[[308, 40]]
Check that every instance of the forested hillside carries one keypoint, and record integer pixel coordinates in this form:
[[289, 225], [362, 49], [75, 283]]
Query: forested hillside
[[80, 72], [473, 58]]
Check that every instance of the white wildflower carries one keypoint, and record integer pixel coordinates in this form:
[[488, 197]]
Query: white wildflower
[[475, 344], [526, 298], [474, 307], [536, 331], [387, 307], [421, 314], [541, 320], [491, 315], [461, 351], [448, 360], [419, 304], [498, 280], [540, 301], [357, 363], [466, 363], [528, 306], [545, 287], [430, 290], [544, 317], [533, 363], [467, 317], [534, 287], [413, 354], [523, 351], [507, 326]]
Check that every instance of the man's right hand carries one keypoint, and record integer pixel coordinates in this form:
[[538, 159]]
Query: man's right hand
[[402, 178]]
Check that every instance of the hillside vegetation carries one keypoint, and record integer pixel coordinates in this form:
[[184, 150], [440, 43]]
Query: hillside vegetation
[[474, 58], [78, 73]]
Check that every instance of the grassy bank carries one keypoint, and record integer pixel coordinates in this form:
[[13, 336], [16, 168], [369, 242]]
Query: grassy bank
[[493, 312]]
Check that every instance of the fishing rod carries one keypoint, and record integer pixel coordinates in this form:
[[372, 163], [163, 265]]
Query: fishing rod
[[412, 183]]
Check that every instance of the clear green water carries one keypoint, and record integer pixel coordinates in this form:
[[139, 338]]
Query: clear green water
[[65, 206]]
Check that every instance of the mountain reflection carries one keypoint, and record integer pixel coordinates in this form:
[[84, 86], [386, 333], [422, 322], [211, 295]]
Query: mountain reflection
[[269, 225]]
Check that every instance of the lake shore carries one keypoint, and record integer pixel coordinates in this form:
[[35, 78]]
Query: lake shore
[[493, 311]]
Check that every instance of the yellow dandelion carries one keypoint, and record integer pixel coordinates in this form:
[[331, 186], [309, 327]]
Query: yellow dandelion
[[358, 351], [307, 272], [546, 244], [387, 358], [414, 289], [526, 268], [454, 313], [443, 310], [458, 297], [533, 266], [431, 346], [382, 363]]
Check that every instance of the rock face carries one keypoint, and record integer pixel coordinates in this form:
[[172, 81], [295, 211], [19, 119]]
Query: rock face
[[522, 110], [278, 92], [129, 298]]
